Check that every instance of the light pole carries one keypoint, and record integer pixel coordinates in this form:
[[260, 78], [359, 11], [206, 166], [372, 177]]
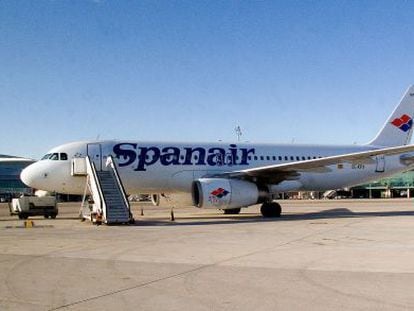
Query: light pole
[[238, 132]]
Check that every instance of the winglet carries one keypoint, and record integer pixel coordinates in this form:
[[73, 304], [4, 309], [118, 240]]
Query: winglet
[[398, 129]]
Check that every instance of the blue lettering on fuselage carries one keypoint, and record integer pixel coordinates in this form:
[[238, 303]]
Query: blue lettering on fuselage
[[142, 157]]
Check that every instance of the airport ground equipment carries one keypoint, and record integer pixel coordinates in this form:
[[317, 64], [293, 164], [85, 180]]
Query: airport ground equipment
[[34, 206], [108, 202]]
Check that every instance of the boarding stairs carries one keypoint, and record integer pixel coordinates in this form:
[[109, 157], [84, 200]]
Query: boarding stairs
[[107, 201]]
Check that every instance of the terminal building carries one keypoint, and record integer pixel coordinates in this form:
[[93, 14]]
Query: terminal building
[[400, 185], [397, 186], [10, 183]]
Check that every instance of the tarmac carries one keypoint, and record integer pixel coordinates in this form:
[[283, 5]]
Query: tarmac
[[320, 255]]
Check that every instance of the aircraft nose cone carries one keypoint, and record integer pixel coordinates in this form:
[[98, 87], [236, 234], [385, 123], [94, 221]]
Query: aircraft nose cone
[[28, 177]]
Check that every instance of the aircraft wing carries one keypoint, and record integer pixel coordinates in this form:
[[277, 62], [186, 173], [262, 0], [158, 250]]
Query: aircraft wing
[[285, 171]]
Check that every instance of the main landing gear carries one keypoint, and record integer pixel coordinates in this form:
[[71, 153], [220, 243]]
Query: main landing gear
[[268, 209], [271, 209], [232, 211]]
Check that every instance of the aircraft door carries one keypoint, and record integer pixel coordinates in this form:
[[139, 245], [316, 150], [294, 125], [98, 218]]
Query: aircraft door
[[380, 164], [95, 154]]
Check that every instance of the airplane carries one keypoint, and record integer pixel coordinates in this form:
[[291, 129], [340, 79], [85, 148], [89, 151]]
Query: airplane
[[231, 176]]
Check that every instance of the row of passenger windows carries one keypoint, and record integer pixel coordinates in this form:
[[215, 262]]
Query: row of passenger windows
[[283, 158], [63, 157], [256, 158], [56, 156]]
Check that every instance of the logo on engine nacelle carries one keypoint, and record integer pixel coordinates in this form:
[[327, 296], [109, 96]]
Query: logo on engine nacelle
[[217, 195], [220, 192]]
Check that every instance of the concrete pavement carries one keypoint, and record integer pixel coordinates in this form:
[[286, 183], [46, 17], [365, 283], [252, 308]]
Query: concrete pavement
[[321, 255]]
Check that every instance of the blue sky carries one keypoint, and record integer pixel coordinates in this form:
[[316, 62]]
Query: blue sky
[[304, 71]]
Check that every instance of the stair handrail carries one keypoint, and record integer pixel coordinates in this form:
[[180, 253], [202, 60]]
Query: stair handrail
[[110, 162], [91, 168]]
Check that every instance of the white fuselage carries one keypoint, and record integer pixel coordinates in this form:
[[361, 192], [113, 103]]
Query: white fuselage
[[147, 167]]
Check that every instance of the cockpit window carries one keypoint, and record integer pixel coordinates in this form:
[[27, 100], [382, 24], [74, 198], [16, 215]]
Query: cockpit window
[[54, 156], [45, 157]]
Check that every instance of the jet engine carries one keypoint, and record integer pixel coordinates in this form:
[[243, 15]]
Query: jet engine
[[224, 193]]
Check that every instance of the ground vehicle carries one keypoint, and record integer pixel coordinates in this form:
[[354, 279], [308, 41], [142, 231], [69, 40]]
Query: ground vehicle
[[5, 197], [34, 206]]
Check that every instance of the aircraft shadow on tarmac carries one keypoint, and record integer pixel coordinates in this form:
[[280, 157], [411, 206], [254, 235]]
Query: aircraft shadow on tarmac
[[197, 220], [336, 213]]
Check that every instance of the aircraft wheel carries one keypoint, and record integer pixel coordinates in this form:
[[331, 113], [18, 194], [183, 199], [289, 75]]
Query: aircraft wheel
[[232, 211], [272, 209]]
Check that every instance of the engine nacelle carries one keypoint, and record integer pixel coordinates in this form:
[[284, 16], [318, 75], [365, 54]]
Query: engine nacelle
[[224, 193]]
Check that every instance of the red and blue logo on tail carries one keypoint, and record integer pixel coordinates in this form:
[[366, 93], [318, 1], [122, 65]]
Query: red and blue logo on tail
[[404, 123]]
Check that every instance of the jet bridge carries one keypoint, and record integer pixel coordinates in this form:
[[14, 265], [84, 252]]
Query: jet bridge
[[108, 201]]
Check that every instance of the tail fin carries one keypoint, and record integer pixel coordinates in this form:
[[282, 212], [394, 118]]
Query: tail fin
[[399, 127]]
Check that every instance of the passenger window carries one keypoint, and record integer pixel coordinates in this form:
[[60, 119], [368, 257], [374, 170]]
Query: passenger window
[[297, 158], [249, 157], [261, 158], [303, 158], [267, 158], [280, 158], [292, 158], [255, 157], [63, 156], [286, 158]]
